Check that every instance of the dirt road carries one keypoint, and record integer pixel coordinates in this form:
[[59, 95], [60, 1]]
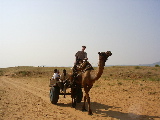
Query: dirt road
[[23, 100]]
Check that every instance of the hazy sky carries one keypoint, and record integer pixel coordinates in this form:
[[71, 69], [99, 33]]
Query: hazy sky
[[50, 32]]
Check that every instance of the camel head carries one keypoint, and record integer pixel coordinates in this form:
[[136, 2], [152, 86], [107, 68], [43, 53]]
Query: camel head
[[103, 56]]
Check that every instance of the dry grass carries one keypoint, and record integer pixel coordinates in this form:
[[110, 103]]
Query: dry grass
[[115, 72], [112, 76], [132, 73], [121, 90]]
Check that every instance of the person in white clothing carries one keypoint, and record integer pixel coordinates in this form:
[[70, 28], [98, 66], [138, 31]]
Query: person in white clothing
[[55, 75]]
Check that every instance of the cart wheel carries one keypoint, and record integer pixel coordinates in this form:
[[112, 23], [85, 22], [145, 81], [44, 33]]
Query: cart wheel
[[54, 94], [79, 95]]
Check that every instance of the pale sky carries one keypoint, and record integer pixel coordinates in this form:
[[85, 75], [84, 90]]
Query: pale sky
[[50, 32]]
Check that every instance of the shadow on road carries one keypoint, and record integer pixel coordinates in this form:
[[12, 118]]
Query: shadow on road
[[103, 110]]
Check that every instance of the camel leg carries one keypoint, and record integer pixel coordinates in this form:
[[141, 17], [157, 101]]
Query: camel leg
[[73, 96], [84, 108], [87, 89], [89, 106], [73, 103], [64, 90], [88, 100]]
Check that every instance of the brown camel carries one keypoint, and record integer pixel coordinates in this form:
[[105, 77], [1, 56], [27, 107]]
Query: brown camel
[[86, 79]]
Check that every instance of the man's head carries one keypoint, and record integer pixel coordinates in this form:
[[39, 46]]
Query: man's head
[[64, 71], [55, 70], [83, 48]]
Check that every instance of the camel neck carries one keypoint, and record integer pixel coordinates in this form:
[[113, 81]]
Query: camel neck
[[100, 70]]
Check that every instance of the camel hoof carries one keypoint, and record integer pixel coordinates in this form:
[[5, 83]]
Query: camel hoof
[[90, 113], [84, 109], [73, 106]]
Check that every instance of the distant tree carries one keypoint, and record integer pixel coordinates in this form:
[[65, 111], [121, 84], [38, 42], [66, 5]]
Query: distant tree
[[156, 65], [137, 67]]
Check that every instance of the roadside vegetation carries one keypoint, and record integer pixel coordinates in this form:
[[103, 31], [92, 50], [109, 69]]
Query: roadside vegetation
[[119, 86], [144, 73], [1, 72]]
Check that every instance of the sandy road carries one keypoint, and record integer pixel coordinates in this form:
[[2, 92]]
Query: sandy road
[[21, 100]]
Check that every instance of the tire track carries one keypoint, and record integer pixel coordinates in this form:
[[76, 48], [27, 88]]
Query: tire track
[[44, 94]]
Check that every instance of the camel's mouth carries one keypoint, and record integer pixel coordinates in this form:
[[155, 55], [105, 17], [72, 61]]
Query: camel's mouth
[[109, 53], [104, 55]]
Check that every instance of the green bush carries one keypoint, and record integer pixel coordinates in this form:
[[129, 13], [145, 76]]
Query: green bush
[[156, 65], [137, 67], [23, 73], [1, 73]]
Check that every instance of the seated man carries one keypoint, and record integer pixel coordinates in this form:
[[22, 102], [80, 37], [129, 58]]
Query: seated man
[[55, 78], [55, 75], [64, 78], [81, 57]]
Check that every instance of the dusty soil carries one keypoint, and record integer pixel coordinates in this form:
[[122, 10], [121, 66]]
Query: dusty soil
[[28, 99]]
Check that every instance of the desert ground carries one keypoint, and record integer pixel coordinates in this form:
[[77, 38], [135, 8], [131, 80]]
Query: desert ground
[[122, 93]]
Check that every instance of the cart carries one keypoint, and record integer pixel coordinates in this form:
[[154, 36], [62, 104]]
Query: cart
[[56, 90]]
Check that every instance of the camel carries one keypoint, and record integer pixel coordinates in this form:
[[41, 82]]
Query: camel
[[86, 79]]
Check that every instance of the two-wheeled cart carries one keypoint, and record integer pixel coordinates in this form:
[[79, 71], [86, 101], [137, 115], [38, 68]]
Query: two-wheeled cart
[[59, 88]]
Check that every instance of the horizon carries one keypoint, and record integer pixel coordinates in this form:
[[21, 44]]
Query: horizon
[[151, 64], [50, 32]]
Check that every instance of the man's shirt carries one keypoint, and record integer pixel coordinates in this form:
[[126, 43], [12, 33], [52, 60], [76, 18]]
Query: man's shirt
[[81, 55]]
